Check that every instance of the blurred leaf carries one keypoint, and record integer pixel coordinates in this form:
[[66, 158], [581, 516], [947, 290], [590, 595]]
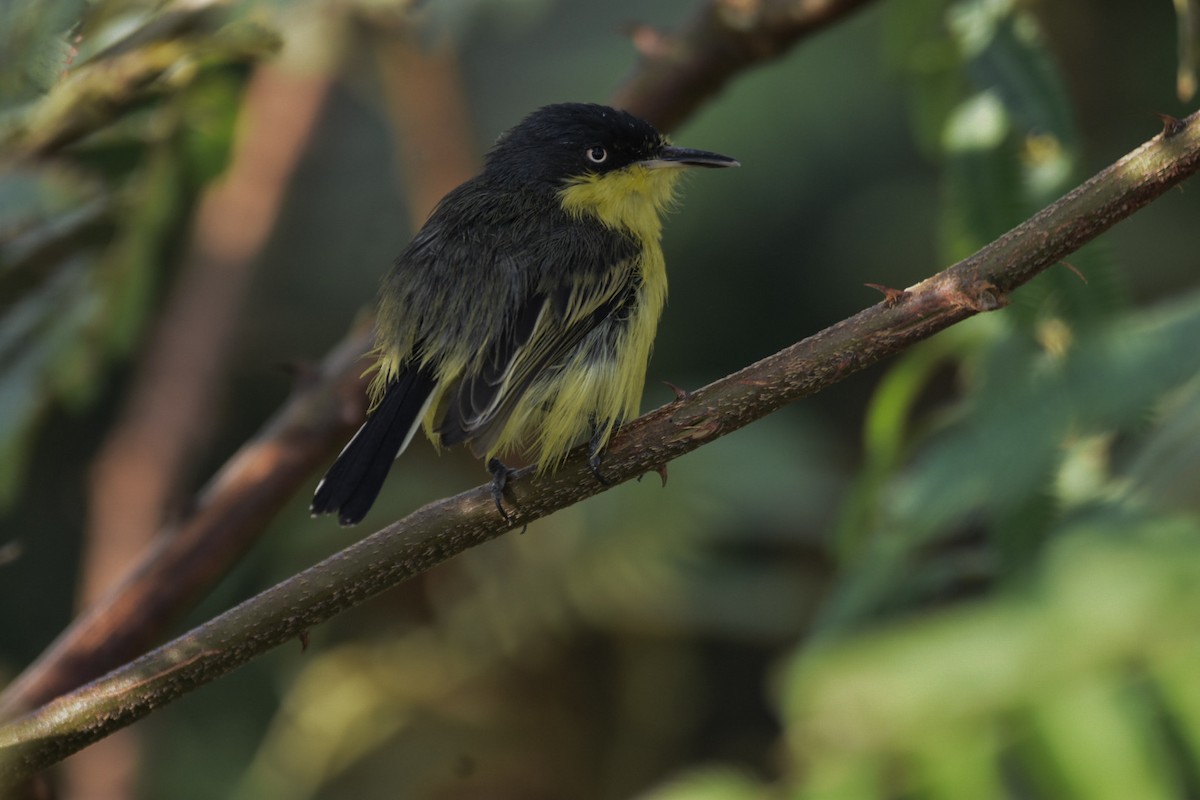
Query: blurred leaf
[[1004, 51], [711, 784], [1187, 14], [959, 762], [996, 466], [983, 196], [1175, 677], [1163, 471], [135, 72], [34, 39], [888, 430], [1099, 745], [88, 231], [915, 43], [36, 334], [936, 691]]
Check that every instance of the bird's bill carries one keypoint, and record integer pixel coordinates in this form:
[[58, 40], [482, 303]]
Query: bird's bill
[[686, 157]]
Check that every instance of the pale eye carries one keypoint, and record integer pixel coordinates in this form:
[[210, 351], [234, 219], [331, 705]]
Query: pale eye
[[597, 155]]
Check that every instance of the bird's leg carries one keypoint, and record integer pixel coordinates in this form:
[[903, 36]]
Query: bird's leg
[[596, 450], [500, 475]]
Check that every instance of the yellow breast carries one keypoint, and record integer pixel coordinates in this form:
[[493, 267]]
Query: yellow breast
[[630, 199]]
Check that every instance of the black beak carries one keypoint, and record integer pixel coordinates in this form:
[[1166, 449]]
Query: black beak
[[684, 157]]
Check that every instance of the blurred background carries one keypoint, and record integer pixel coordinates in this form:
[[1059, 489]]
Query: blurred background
[[968, 572]]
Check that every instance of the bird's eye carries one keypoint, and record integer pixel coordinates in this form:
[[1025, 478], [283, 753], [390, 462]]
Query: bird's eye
[[597, 155]]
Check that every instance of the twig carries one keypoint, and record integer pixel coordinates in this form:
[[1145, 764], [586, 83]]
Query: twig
[[679, 71], [441, 530]]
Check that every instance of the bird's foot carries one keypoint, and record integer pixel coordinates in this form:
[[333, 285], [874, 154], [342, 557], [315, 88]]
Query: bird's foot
[[500, 475], [596, 452]]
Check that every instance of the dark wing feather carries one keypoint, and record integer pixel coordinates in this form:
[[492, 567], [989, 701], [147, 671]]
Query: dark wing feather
[[547, 329], [475, 398]]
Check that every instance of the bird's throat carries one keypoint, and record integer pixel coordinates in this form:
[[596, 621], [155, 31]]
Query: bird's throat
[[630, 199]]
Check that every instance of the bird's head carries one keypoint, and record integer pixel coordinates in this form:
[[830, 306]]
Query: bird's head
[[602, 161]]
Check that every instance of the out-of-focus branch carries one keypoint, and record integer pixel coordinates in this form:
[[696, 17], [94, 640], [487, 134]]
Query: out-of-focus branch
[[679, 70], [441, 530], [423, 92], [140, 468]]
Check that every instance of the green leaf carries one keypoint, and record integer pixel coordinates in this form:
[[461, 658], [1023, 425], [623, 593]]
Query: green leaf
[[711, 784], [1036, 681], [1096, 736]]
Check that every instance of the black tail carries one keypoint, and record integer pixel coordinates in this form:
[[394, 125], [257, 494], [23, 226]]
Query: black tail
[[354, 480]]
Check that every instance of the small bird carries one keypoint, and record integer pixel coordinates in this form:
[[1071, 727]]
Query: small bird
[[522, 314]]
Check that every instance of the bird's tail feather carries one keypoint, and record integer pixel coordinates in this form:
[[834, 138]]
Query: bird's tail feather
[[353, 482]]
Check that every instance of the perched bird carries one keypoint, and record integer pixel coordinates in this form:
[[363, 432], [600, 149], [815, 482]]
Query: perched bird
[[523, 312]]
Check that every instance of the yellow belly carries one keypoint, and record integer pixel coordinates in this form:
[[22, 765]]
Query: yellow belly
[[591, 392]]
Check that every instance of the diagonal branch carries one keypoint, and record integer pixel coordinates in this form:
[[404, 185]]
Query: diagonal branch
[[443, 529]]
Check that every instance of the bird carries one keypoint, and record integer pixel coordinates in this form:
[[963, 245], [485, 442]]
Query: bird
[[522, 314]]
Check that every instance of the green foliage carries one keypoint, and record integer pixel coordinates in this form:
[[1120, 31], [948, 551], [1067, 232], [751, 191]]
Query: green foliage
[[34, 37], [1048, 686], [1056, 367], [94, 198], [712, 784], [1015, 613]]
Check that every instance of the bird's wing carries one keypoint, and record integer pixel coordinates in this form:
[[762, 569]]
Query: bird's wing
[[547, 327]]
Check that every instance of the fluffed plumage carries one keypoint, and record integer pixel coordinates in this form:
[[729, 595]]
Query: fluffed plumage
[[523, 313]]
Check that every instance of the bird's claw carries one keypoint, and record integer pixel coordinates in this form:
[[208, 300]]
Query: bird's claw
[[500, 475]]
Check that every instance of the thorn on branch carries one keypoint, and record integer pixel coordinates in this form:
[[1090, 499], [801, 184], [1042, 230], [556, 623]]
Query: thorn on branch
[[661, 469], [304, 640], [1172, 126], [890, 296], [680, 394]]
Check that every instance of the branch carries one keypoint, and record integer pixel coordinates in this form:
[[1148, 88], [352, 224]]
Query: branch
[[443, 529], [679, 71]]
